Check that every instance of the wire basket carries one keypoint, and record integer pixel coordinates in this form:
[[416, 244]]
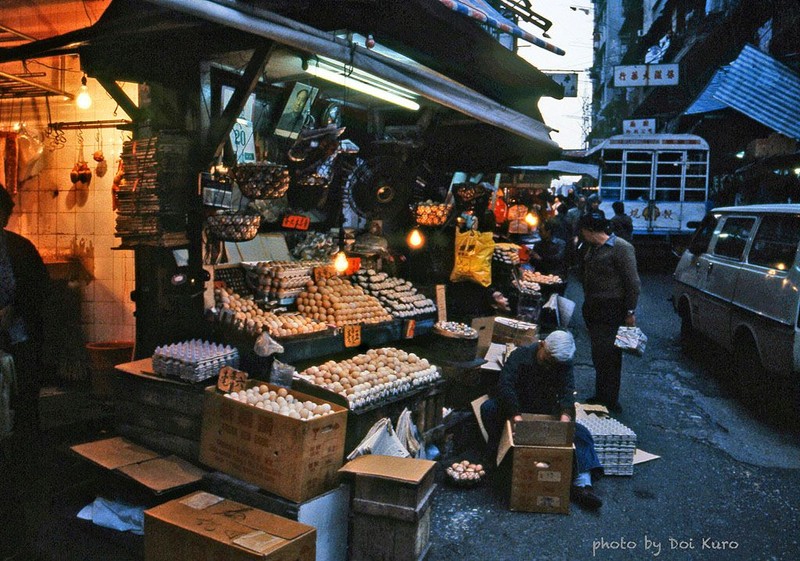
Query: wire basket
[[432, 214], [262, 180], [233, 227]]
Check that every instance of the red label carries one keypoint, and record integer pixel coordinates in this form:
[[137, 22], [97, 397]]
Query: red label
[[231, 380], [353, 265], [296, 222], [408, 328]]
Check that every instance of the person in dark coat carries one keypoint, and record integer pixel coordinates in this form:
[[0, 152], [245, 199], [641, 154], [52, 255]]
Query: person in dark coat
[[621, 224], [611, 289], [539, 378]]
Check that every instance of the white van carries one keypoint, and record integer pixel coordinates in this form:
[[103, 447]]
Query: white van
[[738, 284]]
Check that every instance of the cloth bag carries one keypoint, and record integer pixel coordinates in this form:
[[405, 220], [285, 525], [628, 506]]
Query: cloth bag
[[473, 261], [631, 340]]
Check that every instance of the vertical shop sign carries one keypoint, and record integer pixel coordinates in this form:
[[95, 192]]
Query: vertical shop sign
[[441, 303], [409, 326]]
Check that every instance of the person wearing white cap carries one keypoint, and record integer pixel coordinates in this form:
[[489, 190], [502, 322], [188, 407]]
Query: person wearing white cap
[[539, 378]]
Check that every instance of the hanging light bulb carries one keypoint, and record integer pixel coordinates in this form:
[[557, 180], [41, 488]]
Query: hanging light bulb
[[340, 263], [83, 99], [531, 219], [415, 239]]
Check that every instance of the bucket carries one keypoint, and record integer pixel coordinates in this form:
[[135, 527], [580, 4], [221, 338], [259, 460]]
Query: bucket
[[103, 357]]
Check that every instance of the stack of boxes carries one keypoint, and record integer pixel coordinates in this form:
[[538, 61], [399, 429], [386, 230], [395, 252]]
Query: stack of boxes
[[541, 463], [391, 508]]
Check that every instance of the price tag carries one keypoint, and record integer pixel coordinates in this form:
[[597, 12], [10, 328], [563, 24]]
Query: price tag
[[441, 302], [353, 265], [408, 328], [231, 380], [352, 335], [220, 284], [296, 222]]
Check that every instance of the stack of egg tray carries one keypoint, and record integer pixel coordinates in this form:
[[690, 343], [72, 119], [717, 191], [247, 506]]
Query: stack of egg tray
[[615, 443]]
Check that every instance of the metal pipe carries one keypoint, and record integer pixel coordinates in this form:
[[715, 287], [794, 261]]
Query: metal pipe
[[31, 83], [103, 124]]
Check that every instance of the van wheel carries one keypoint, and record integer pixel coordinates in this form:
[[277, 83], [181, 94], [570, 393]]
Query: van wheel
[[749, 373], [688, 335]]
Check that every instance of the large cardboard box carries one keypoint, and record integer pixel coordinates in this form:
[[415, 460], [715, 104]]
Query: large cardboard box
[[205, 527], [541, 473], [291, 458], [402, 482]]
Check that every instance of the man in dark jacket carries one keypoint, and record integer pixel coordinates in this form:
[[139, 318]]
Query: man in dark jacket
[[621, 223], [611, 288], [539, 378]]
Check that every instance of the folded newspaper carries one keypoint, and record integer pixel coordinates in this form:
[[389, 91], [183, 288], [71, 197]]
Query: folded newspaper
[[631, 340], [381, 440]]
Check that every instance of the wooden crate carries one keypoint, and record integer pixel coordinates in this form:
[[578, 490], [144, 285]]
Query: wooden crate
[[382, 538]]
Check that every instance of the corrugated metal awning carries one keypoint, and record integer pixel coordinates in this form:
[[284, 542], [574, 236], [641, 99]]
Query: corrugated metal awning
[[564, 167], [759, 87]]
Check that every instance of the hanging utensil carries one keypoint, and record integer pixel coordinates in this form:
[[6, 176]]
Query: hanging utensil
[[102, 165]]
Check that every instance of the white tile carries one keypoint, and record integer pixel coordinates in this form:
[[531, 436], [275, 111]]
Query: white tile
[[27, 201], [104, 313], [48, 202], [65, 223], [84, 223], [104, 268], [47, 223], [103, 292]]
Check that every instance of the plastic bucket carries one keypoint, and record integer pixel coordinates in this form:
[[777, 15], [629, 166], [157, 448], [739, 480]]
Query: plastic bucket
[[103, 357]]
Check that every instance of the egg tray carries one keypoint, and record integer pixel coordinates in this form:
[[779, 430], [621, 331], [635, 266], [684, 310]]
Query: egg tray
[[235, 278]]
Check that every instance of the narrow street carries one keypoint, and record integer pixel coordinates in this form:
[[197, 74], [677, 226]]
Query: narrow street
[[725, 486]]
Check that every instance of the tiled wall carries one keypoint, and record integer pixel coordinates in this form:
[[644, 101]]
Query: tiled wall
[[63, 221]]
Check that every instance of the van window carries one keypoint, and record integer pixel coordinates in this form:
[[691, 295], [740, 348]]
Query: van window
[[775, 244], [702, 236], [733, 237]]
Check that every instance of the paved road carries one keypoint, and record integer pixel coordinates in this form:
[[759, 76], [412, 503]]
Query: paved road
[[725, 487]]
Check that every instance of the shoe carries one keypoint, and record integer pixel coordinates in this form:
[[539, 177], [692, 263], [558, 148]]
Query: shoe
[[585, 497]]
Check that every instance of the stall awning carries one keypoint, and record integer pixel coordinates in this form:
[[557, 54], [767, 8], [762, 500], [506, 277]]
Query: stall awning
[[563, 167], [483, 12]]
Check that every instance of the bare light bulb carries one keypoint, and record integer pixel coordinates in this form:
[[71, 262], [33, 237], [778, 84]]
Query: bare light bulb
[[340, 263], [531, 220], [83, 100], [415, 239]]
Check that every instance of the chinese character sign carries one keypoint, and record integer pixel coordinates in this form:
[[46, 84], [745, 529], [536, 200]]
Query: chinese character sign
[[639, 126], [646, 75]]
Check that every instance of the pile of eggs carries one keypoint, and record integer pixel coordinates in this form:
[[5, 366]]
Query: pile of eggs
[[280, 402], [247, 316], [374, 375], [527, 286], [464, 471], [506, 253], [398, 296], [284, 279], [455, 329], [533, 276], [429, 213], [337, 302]]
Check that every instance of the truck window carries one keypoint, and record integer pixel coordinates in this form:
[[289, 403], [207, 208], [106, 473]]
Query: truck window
[[732, 238], [775, 243]]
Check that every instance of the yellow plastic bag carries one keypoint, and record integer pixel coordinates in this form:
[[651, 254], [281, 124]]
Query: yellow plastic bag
[[473, 257]]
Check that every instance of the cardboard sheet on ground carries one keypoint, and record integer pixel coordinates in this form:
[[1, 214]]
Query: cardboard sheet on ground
[[495, 357], [640, 457], [156, 472]]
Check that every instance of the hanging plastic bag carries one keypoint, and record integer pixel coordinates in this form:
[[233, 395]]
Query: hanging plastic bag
[[30, 148], [473, 261]]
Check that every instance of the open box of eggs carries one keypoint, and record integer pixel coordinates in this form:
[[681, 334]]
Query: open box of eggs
[[281, 401], [372, 377], [465, 474]]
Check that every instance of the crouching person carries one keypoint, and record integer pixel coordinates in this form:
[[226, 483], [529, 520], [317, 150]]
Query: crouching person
[[539, 379]]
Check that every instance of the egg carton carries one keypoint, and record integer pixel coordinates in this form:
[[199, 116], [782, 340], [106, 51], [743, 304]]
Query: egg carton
[[614, 443], [193, 361]]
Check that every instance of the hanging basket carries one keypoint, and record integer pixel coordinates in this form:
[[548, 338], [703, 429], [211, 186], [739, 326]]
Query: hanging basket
[[233, 227], [262, 180]]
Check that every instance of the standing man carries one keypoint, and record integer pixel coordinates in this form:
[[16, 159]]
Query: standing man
[[539, 378], [621, 223], [611, 288]]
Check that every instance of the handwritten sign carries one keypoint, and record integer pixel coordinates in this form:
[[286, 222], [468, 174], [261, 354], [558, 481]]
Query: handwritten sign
[[231, 380], [352, 335], [441, 303], [296, 222], [409, 326]]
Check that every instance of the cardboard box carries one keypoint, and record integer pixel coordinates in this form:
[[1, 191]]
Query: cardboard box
[[402, 482], [205, 527], [391, 508], [543, 430], [291, 458], [541, 476]]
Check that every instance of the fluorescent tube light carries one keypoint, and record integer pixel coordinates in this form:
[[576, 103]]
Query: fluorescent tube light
[[363, 87]]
